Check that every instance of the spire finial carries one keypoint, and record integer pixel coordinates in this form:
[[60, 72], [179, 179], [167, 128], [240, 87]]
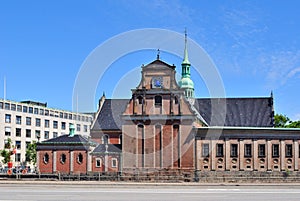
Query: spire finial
[[186, 58], [158, 52]]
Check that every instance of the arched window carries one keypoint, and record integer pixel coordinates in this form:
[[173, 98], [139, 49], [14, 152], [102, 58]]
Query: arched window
[[98, 162], [158, 100], [105, 139], [120, 139], [46, 158], [79, 158], [63, 158]]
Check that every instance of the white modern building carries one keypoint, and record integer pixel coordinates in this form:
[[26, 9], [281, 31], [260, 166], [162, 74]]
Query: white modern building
[[27, 121]]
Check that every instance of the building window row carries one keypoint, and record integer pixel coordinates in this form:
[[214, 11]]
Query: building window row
[[46, 123], [98, 162], [248, 151], [46, 112]]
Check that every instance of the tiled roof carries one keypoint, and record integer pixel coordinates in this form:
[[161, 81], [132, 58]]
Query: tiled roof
[[76, 139], [235, 112], [64, 142], [111, 148], [242, 112], [109, 117]]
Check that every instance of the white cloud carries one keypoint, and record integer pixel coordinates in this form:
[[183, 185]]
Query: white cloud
[[279, 67], [293, 72]]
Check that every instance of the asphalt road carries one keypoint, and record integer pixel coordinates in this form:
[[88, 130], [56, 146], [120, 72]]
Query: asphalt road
[[74, 192]]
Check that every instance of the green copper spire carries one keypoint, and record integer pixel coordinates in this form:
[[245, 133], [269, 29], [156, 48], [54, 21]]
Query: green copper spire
[[186, 82], [186, 57]]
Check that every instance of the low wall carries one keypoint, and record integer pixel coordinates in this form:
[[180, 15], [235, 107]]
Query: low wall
[[247, 177]]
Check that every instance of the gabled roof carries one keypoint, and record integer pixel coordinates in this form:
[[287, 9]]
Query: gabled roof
[[66, 142], [76, 139], [241, 112], [109, 117], [160, 63], [109, 148]]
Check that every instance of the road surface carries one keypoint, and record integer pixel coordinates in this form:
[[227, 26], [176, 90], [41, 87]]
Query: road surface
[[73, 192]]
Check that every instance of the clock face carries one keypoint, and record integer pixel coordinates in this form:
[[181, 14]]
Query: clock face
[[157, 82]]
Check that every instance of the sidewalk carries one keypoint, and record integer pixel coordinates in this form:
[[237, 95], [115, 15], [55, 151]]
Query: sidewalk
[[136, 184]]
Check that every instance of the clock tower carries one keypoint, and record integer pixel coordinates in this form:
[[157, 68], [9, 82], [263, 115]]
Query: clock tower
[[157, 122]]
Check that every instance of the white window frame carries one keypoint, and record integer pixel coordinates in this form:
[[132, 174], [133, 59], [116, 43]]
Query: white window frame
[[114, 160], [98, 159]]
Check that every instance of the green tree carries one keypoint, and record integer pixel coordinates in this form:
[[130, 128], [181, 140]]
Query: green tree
[[6, 152], [281, 121], [294, 124], [6, 156], [31, 152]]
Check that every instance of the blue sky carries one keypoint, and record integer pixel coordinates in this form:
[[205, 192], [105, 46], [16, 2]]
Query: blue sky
[[255, 45]]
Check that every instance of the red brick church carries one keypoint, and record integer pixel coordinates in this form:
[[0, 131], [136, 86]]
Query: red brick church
[[163, 127]]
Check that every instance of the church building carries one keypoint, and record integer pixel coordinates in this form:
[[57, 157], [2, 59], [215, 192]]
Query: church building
[[163, 127]]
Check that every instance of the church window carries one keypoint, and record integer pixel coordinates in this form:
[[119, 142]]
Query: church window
[[98, 162], [261, 150], [46, 158], [114, 162], [63, 158], [288, 150], [248, 150], [220, 150], [275, 150], [158, 100], [105, 139], [205, 150], [79, 158], [234, 150]]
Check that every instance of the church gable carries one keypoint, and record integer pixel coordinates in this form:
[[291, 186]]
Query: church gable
[[158, 75]]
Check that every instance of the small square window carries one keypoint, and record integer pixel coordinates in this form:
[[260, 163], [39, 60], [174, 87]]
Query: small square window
[[114, 162], [25, 108], [38, 122], [18, 119], [7, 106], [18, 144], [19, 108], [28, 121], [7, 118], [55, 124], [46, 135], [13, 107], [46, 123], [55, 134], [28, 133], [18, 132], [36, 111], [18, 157], [98, 162]]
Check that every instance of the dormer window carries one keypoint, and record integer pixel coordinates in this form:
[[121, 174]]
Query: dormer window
[[158, 100]]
